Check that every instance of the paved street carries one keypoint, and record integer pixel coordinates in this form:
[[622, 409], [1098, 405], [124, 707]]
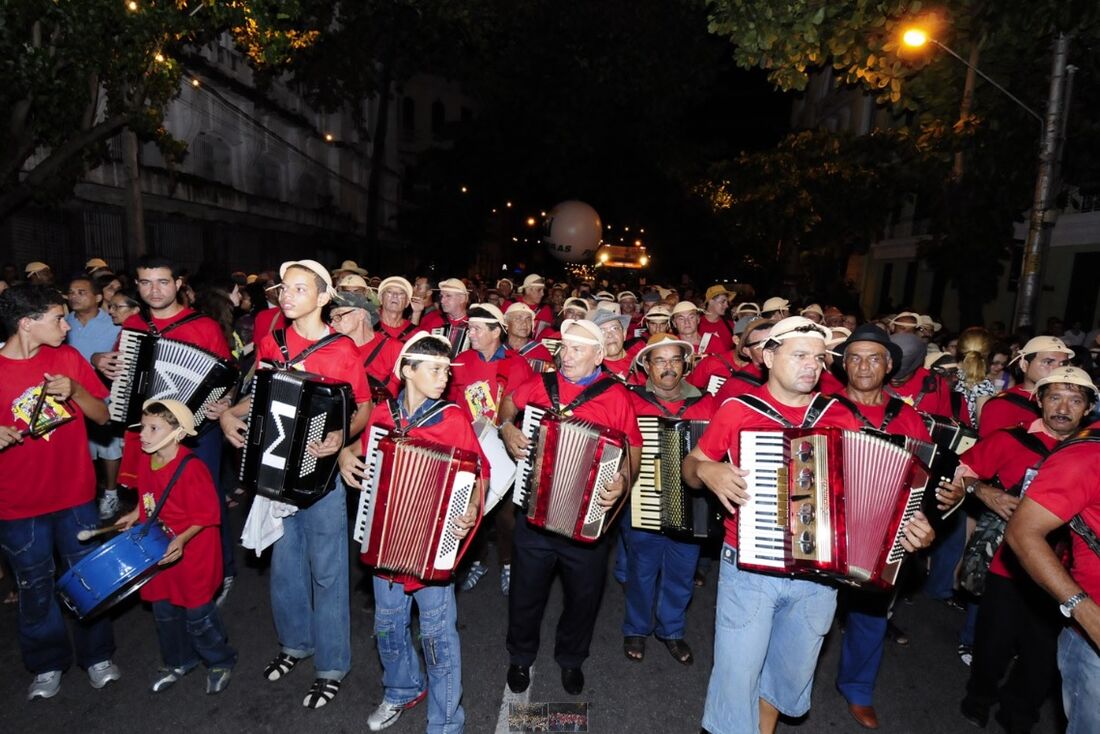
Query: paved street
[[918, 691]]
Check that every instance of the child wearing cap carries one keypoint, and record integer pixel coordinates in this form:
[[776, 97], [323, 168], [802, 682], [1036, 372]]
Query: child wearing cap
[[423, 369], [182, 594]]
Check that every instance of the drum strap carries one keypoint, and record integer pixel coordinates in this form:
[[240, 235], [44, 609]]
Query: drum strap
[[164, 497], [597, 388]]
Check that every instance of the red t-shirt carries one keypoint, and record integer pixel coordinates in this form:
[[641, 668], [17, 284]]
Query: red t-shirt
[[193, 580], [534, 351], [434, 320], [402, 332], [203, 333], [54, 472], [906, 423], [721, 339], [1067, 485], [1001, 456], [266, 321], [936, 401], [722, 437], [702, 410], [612, 408], [453, 429], [381, 364], [830, 384], [500, 376], [621, 368], [734, 387], [717, 363], [543, 315], [1001, 412], [338, 359]]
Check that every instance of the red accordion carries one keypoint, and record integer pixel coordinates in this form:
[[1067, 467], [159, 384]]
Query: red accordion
[[413, 491], [567, 465], [825, 501]]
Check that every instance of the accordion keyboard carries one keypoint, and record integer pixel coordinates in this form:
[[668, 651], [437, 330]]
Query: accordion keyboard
[[762, 521], [645, 499]]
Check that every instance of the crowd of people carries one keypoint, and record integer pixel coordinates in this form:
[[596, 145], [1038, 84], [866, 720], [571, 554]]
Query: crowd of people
[[1009, 537]]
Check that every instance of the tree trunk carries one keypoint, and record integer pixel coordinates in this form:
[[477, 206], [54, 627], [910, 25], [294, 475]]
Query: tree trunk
[[135, 210]]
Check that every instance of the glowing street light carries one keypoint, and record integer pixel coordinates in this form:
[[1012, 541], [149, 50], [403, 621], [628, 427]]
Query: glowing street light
[[914, 37], [464, 190], [531, 221], [329, 138], [132, 6]]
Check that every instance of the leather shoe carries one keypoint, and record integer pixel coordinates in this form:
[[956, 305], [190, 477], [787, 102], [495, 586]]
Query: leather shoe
[[865, 716], [572, 680], [519, 677]]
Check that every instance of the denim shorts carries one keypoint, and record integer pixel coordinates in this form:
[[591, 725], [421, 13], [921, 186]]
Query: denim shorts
[[767, 638]]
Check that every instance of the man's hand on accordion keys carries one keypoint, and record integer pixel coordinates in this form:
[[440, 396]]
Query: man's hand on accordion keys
[[726, 481], [234, 428], [949, 494], [612, 491], [333, 442], [464, 522], [352, 468], [918, 533], [214, 410], [514, 440], [108, 363]]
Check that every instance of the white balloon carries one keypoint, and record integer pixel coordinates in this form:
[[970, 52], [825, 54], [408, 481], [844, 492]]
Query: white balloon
[[573, 231]]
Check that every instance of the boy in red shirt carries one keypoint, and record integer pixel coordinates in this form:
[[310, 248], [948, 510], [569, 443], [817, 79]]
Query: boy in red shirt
[[182, 595], [423, 368]]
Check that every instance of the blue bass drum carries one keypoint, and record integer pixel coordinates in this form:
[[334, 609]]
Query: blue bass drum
[[115, 570]]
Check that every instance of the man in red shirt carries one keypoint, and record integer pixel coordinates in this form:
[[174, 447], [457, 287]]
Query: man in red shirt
[[531, 293], [768, 629], [394, 295], [1015, 616], [1014, 406], [1067, 490], [716, 369], [519, 322], [628, 306], [450, 319], [916, 385], [750, 351], [538, 554], [47, 482], [714, 322], [617, 360], [309, 563], [660, 567], [353, 315]]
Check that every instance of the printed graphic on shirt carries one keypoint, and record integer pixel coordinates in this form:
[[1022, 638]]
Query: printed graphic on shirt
[[50, 416], [150, 503], [482, 402]]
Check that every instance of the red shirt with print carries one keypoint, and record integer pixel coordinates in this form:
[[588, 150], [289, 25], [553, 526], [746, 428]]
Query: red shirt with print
[[193, 580], [722, 437], [53, 472], [500, 376]]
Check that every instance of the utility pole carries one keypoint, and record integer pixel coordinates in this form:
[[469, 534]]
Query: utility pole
[[1041, 225]]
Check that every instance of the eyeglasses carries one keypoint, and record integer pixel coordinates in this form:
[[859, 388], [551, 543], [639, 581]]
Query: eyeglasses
[[334, 316], [661, 363]]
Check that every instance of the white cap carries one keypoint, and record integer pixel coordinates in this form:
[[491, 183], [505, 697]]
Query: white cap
[[311, 265]]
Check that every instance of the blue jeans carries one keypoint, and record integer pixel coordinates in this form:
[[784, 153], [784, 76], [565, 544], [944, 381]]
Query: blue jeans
[[768, 632], [1079, 664], [189, 635], [401, 676], [659, 582], [29, 546], [863, 645], [310, 595], [945, 555], [208, 447]]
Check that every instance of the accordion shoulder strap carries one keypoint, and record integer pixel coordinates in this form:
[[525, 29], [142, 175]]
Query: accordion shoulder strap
[[1029, 441], [1019, 401], [280, 340], [1077, 523], [174, 325], [650, 398], [597, 388], [893, 409], [739, 374], [374, 352], [817, 408], [529, 346], [401, 427]]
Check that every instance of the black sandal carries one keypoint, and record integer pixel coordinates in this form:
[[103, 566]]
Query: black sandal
[[280, 666], [634, 648], [680, 651], [321, 692]]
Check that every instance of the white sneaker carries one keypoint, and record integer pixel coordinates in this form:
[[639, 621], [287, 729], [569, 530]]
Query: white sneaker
[[108, 504], [505, 579], [387, 713], [45, 685], [103, 673]]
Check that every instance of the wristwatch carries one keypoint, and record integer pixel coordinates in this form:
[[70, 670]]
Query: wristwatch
[[970, 488], [1071, 603]]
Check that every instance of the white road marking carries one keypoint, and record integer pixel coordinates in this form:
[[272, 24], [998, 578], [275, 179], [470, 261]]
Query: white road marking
[[510, 698]]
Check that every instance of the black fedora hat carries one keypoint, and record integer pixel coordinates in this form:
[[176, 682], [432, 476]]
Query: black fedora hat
[[872, 333]]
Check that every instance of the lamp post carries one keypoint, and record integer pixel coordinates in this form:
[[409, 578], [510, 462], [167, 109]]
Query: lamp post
[[1040, 224]]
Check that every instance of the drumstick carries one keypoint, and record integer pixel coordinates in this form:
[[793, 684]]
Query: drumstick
[[89, 534]]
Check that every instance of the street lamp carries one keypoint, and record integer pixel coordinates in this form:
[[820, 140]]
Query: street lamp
[[1040, 225]]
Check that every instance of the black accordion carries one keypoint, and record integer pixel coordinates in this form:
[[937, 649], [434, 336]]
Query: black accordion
[[291, 409], [659, 500], [159, 368]]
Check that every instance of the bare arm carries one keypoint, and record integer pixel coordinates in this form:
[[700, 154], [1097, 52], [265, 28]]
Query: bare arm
[[1026, 533], [726, 481]]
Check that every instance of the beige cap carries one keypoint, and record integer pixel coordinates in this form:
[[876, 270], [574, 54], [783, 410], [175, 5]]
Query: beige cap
[[353, 267], [311, 265], [665, 292], [813, 308], [684, 307], [419, 337], [747, 307], [505, 280], [775, 303], [606, 307], [794, 327], [662, 340], [906, 315], [838, 335], [1067, 375], [626, 294], [927, 322], [497, 316], [532, 280], [1043, 344], [454, 285], [578, 303], [519, 308], [252, 278], [605, 296], [351, 280], [658, 313], [96, 263], [179, 411], [34, 267], [595, 333], [396, 281]]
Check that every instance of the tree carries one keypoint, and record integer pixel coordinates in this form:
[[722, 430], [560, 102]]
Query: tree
[[77, 72]]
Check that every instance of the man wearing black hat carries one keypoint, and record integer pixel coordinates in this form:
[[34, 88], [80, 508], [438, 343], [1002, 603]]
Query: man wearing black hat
[[869, 358]]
